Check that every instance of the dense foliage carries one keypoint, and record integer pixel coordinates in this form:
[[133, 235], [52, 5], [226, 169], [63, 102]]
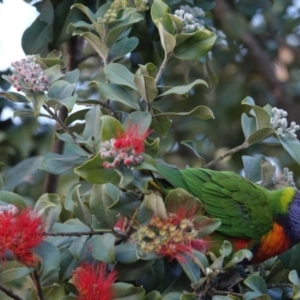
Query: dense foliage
[[129, 83]]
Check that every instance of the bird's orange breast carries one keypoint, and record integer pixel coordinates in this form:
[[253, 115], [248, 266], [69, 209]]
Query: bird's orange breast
[[273, 243]]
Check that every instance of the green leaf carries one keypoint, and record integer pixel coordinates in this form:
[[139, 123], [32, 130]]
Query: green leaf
[[117, 93], [111, 128], [25, 171], [160, 123], [201, 112], [122, 47], [277, 274], [78, 245], [23, 112], [127, 291], [201, 260], [252, 167], [61, 89], [126, 176], [259, 135], [192, 146], [59, 163], [190, 268], [49, 256], [98, 26], [130, 272], [93, 171], [61, 94], [190, 46], [54, 74], [98, 45], [37, 99], [13, 274], [36, 38], [119, 74], [206, 225], [158, 10], [146, 86], [103, 248], [155, 203], [183, 89], [126, 253], [63, 17], [147, 164], [256, 283], [12, 96], [291, 258], [261, 115], [49, 206], [154, 295], [121, 27], [12, 198], [80, 209], [93, 127], [168, 41], [292, 146], [238, 257], [102, 199], [141, 119]]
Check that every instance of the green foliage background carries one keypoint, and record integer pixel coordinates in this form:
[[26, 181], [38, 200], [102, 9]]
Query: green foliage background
[[240, 64]]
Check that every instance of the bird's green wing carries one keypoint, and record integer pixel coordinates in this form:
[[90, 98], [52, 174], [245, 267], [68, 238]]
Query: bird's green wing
[[243, 207]]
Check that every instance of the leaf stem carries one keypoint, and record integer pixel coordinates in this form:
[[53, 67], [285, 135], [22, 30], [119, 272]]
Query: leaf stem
[[228, 153], [37, 284], [9, 293], [162, 67]]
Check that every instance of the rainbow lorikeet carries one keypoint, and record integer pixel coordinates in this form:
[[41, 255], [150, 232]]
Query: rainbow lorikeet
[[267, 222]]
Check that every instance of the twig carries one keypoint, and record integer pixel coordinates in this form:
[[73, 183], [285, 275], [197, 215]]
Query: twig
[[230, 152], [162, 68], [37, 284], [9, 293], [78, 234], [65, 128]]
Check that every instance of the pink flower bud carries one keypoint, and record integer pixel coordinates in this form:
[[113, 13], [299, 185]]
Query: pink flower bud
[[127, 162], [35, 88]]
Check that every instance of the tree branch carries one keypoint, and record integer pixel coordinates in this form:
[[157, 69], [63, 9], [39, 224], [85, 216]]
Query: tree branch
[[228, 153], [37, 285], [78, 233], [9, 293]]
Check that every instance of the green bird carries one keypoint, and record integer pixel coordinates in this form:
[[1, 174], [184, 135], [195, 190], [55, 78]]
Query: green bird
[[267, 222]]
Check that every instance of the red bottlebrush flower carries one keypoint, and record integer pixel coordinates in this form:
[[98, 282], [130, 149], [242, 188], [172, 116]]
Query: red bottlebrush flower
[[126, 148], [132, 138], [173, 237], [93, 283], [19, 233]]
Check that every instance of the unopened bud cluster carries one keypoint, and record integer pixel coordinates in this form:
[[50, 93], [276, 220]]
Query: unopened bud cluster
[[10, 208], [166, 238], [141, 5], [288, 177], [280, 124], [111, 13], [28, 75], [190, 18], [121, 156]]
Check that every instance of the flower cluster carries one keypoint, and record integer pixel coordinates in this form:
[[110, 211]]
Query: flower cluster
[[141, 5], [19, 233], [93, 283], [173, 237], [111, 13], [28, 75], [280, 124], [125, 149], [190, 18]]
